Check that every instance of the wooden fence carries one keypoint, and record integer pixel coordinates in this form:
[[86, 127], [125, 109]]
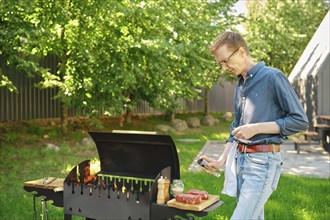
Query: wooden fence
[[32, 102]]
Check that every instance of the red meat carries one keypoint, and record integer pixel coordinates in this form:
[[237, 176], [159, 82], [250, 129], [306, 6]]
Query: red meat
[[204, 194], [188, 198]]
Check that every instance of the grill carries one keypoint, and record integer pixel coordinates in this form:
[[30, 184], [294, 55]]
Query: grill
[[126, 185]]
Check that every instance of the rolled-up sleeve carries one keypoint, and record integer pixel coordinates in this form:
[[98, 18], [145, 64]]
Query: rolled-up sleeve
[[231, 137], [294, 118]]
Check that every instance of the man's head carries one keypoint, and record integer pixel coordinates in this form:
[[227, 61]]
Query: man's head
[[231, 52]]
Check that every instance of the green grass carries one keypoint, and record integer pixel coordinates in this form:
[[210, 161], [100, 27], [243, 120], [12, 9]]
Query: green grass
[[23, 157]]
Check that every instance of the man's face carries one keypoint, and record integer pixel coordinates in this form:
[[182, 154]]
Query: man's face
[[230, 60]]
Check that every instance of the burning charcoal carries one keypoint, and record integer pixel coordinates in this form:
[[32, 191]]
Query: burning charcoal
[[119, 182], [123, 189], [115, 186], [103, 184], [89, 179], [127, 184]]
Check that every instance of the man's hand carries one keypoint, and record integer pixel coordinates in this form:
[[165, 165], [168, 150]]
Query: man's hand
[[245, 132], [213, 163]]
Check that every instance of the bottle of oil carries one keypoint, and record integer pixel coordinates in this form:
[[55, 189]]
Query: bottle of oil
[[213, 170]]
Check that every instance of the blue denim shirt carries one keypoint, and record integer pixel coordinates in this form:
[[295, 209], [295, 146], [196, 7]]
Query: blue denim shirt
[[267, 96]]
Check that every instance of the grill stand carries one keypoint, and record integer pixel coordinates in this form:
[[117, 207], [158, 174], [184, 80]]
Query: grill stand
[[49, 194], [130, 160]]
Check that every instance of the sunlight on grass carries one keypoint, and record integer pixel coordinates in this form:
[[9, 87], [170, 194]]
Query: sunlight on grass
[[220, 136]]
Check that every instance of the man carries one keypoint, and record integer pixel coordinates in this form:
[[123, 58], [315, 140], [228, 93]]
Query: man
[[267, 110]]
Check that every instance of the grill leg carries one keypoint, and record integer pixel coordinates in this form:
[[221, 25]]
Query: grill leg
[[44, 210], [67, 217], [34, 208]]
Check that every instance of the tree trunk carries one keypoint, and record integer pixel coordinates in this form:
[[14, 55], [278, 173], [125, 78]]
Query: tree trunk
[[62, 69], [128, 116], [172, 116], [64, 118], [169, 115], [206, 102]]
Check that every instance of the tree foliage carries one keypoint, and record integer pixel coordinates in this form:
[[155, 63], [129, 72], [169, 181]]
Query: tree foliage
[[279, 30], [114, 54]]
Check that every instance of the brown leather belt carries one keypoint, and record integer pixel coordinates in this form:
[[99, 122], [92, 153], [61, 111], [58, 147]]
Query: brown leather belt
[[259, 148]]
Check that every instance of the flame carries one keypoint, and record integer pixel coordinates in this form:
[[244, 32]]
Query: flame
[[94, 166], [90, 170]]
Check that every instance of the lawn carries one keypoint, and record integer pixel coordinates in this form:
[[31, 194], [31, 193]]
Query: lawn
[[24, 157]]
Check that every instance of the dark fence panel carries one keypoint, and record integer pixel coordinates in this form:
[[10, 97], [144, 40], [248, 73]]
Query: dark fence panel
[[32, 102]]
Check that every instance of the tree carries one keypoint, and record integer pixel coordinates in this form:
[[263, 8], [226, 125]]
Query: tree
[[114, 54], [14, 30], [279, 30]]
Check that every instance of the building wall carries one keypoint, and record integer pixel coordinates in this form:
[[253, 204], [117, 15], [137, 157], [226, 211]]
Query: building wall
[[324, 89]]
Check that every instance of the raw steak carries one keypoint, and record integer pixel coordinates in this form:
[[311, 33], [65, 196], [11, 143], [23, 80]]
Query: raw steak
[[188, 198], [204, 194]]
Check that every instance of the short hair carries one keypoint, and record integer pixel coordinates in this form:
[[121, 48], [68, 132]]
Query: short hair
[[231, 39]]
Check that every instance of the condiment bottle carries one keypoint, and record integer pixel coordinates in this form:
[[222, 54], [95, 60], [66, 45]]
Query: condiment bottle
[[213, 170], [167, 189], [161, 190], [177, 187]]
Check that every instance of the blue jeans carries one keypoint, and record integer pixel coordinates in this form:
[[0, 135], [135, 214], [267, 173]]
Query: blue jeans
[[257, 177]]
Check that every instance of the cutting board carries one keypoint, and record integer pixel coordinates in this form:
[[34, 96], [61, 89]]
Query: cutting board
[[193, 207], [46, 183]]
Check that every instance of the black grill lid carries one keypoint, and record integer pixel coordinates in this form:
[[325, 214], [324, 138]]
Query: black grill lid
[[136, 155]]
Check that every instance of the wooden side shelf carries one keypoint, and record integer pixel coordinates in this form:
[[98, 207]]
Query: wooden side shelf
[[298, 142], [309, 135], [321, 126]]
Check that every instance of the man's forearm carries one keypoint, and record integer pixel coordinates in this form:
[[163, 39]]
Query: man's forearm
[[225, 151], [250, 130], [267, 128]]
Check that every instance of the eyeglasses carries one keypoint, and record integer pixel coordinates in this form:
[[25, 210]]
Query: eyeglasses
[[225, 61]]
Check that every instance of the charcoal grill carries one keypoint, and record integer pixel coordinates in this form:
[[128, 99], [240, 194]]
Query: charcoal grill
[[126, 185]]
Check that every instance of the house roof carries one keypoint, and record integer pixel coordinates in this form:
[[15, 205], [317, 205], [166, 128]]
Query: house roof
[[316, 54]]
